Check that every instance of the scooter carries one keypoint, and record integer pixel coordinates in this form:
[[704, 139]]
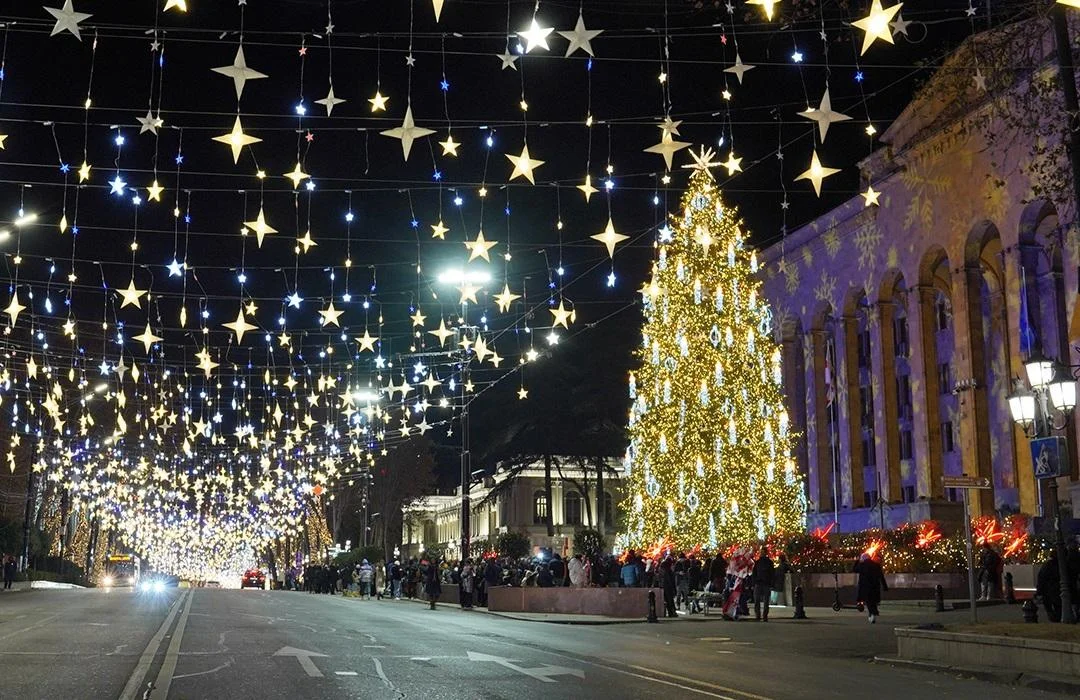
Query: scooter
[[838, 605]]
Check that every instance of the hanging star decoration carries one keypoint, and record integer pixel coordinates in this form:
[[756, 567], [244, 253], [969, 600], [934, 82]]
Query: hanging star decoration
[[816, 173], [378, 102], [330, 101], [580, 37], [562, 316], [534, 36], [824, 115], [449, 146], [177, 4], [437, 5], [240, 72], [876, 24], [739, 69], [479, 248], [307, 242], [524, 165], [240, 326], [407, 133], [505, 298], [610, 238], [667, 147], [587, 188], [147, 338], [84, 172], [153, 192], [871, 196], [237, 139], [131, 296], [150, 123], [442, 333], [509, 60], [367, 341], [330, 315], [206, 364], [439, 230], [14, 308], [297, 175], [418, 318], [260, 227], [67, 19], [768, 5]]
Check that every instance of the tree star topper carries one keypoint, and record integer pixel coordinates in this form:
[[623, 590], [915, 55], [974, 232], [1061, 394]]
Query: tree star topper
[[703, 160]]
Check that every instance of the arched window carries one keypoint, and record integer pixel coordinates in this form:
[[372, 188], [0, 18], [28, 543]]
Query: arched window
[[609, 509], [540, 507], [572, 508]]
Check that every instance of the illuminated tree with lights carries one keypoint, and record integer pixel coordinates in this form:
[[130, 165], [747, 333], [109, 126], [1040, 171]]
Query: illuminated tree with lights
[[710, 446]]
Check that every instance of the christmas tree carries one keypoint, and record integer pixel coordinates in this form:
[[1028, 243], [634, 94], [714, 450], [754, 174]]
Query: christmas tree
[[710, 446]]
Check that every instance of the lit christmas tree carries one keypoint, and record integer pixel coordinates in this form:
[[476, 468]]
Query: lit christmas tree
[[710, 446]]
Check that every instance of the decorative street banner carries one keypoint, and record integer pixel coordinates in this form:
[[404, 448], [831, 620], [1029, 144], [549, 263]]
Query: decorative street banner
[[1049, 457]]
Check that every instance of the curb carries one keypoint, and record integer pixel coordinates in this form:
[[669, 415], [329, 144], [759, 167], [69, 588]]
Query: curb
[[1052, 684]]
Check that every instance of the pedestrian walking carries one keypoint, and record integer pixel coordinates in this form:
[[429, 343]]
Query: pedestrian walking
[[397, 575], [988, 572], [432, 586], [380, 580], [468, 582], [871, 584], [682, 581], [628, 575], [779, 584], [366, 574], [1048, 587], [558, 571], [10, 566], [763, 573]]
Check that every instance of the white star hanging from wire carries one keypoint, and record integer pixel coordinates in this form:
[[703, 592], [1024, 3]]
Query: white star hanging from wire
[[237, 139], [816, 173], [610, 238], [407, 133], [824, 115], [876, 24], [67, 19], [330, 100], [150, 123], [580, 37], [508, 59], [740, 68], [239, 71], [535, 36], [523, 165]]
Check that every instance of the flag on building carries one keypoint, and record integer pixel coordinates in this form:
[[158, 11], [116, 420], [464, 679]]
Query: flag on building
[[1027, 333], [830, 390]]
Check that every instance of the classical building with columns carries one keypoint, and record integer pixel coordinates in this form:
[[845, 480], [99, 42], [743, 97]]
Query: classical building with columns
[[901, 322]]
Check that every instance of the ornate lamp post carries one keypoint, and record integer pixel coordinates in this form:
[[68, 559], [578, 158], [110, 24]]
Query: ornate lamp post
[[1052, 393]]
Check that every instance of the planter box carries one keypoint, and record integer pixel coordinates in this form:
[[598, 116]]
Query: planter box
[[965, 649], [612, 602], [1023, 575]]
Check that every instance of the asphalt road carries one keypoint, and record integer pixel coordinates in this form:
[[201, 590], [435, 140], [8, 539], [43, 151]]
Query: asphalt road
[[260, 644]]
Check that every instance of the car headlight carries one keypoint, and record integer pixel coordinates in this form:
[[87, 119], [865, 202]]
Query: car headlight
[[145, 586], [107, 581], [159, 586]]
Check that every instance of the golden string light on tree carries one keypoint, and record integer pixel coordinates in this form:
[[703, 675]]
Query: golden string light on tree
[[710, 456]]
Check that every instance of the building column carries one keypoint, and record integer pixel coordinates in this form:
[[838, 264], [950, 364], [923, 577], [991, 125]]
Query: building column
[[820, 464], [969, 359], [1017, 285], [886, 416], [794, 383], [926, 392], [851, 459]]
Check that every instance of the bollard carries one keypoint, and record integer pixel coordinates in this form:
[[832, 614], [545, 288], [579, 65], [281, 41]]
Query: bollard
[[652, 607], [939, 598], [1031, 611], [800, 611], [1010, 592]]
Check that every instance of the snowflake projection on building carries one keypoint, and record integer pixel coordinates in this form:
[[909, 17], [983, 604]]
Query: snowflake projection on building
[[831, 239], [791, 277], [867, 240], [826, 289], [807, 256]]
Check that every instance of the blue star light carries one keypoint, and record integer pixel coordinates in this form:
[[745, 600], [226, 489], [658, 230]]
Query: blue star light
[[444, 85], [175, 268], [858, 76], [65, 168], [294, 300], [414, 223], [797, 56], [437, 175], [179, 158]]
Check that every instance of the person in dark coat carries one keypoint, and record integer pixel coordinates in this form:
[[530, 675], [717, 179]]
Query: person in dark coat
[[432, 587], [694, 573], [1048, 587], [667, 581], [1072, 565], [871, 584], [763, 573], [10, 567], [718, 572], [780, 580]]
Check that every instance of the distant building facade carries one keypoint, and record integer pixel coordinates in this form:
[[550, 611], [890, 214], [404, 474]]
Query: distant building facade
[[515, 501], [901, 322]]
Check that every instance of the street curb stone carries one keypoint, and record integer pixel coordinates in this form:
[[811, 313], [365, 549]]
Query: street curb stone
[[1052, 684]]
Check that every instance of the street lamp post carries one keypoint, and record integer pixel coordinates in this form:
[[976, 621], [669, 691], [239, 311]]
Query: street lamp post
[[1052, 390]]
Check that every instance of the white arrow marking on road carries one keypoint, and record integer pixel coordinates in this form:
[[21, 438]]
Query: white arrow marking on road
[[541, 673], [304, 657]]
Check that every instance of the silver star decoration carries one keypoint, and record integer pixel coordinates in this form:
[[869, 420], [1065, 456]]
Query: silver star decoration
[[150, 123], [410, 61], [824, 115], [239, 71], [330, 100], [739, 68], [900, 25], [580, 37], [407, 132], [67, 19], [508, 59]]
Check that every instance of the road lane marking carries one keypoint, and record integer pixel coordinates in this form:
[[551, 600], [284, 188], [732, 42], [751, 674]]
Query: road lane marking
[[168, 665], [683, 679], [346, 673], [39, 623], [131, 688], [540, 673], [304, 657], [206, 673]]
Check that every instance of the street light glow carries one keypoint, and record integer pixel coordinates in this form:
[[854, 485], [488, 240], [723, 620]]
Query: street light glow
[[464, 276]]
